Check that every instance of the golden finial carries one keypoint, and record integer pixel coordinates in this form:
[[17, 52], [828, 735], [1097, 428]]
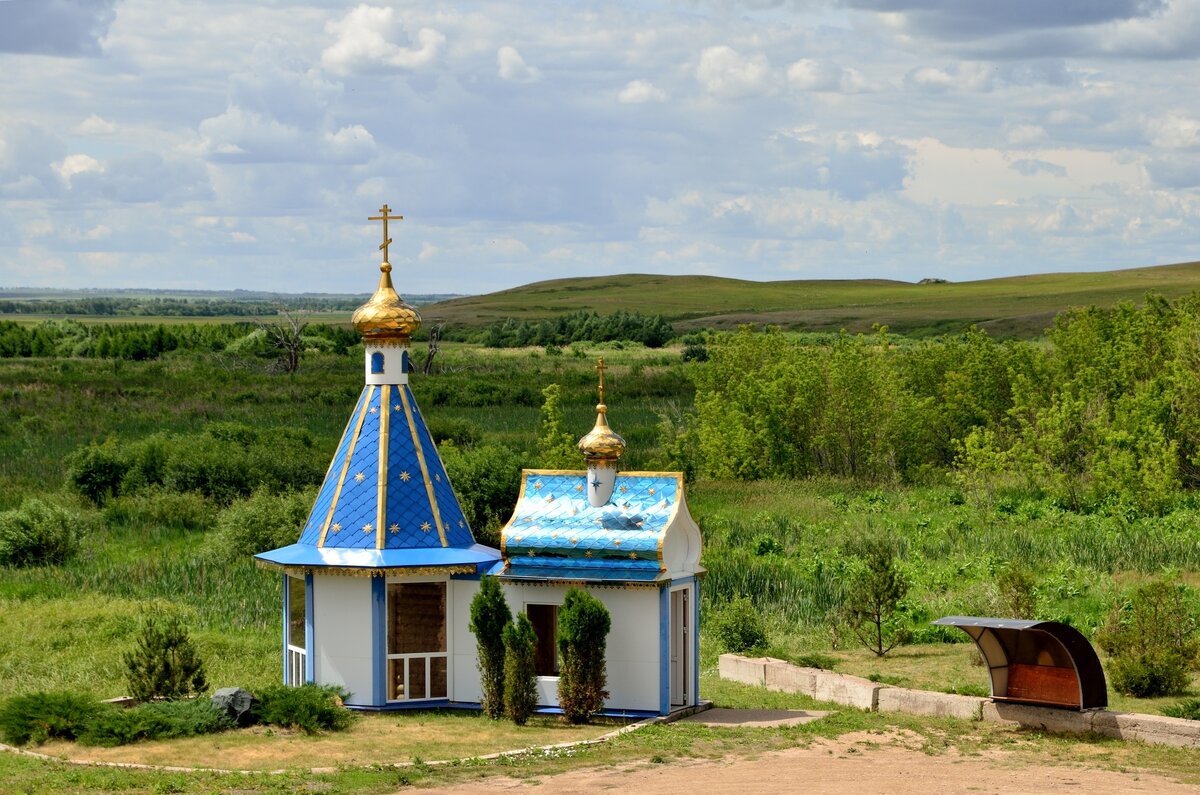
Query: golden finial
[[602, 446], [385, 217], [386, 315]]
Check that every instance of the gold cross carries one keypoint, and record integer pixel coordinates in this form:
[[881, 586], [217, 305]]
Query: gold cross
[[600, 368], [385, 217]]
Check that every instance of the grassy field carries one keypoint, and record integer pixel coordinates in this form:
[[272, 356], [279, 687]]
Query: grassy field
[[1019, 306]]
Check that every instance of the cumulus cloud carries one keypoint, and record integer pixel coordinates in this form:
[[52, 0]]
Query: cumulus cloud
[[364, 42], [512, 67], [727, 74], [73, 165], [1174, 130], [54, 27], [94, 125], [954, 19], [809, 75], [964, 76], [27, 154], [639, 91]]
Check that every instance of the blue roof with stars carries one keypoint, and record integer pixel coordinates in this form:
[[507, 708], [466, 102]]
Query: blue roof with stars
[[557, 534], [386, 501]]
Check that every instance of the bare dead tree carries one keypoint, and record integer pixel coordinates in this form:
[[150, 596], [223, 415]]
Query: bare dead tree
[[285, 336], [435, 344]]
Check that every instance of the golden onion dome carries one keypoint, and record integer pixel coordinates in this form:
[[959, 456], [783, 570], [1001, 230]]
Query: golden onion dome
[[386, 315], [601, 443]]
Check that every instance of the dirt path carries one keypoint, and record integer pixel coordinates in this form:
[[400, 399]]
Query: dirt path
[[841, 767]]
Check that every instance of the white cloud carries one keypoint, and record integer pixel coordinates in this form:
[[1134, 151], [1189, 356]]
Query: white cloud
[[1024, 134], [364, 43], [726, 74], [73, 165], [810, 75], [1174, 130], [94, 125], [512, 67], [640, 91]]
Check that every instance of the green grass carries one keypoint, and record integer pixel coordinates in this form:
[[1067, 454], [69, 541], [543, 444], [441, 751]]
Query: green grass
[[1019, 306]]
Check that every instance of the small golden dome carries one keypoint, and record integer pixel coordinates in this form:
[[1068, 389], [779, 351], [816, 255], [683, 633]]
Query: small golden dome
[[602, 443], [386, 315]]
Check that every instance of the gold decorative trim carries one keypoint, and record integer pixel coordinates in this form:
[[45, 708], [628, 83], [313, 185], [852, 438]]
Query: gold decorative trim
[[337, 494], [381, 499], [394, 342], [419, 571], [433, 505]]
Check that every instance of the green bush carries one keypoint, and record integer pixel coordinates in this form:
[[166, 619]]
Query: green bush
[[310, 708], [159, 720], [583, 625], [260, 522], [157, 508], [1189, 708], [737, 626], [165, 663], [487, 480], [38, 717], [1153, 639], [874, 594], [765, 544], [96, 471], [520, 670], [39, 533], [490, 618]]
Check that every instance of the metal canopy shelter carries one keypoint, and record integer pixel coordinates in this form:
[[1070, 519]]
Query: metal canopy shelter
[[1036, 662]]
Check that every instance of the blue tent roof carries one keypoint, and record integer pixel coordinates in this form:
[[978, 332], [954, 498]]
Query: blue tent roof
[[556, 534], [386, 501]]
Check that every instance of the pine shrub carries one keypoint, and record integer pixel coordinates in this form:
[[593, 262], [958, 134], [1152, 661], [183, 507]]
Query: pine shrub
[[872, 599], [583, 625], [490, 618], [737, 626], [38, 717], [165, 663], [159, 720], [311, 708], [520, 670]]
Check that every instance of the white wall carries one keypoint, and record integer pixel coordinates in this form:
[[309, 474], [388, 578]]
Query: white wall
[[342, 626], [632, 655], [464, 674]]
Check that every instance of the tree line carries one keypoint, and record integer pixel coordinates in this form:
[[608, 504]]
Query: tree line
[[172, 307], [1105, 412]]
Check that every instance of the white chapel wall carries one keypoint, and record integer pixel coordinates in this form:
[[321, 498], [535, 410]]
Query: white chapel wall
[[464, 674], [342, 625]]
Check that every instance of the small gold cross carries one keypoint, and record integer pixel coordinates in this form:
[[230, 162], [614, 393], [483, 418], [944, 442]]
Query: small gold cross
[[385, 217]]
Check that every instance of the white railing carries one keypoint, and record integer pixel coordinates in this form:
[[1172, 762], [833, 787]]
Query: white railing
[[423, 663], [295, 665]]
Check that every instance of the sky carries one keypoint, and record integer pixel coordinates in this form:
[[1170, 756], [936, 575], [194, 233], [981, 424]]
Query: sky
[[220, 144]]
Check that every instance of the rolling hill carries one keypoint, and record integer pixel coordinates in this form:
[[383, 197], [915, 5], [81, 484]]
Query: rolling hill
[[1017, 306]]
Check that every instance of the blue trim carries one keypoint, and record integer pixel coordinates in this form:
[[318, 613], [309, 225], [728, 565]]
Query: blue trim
[[664, 650], [287, 598], [441, 703], [695, 641], [378, 640], [310, 632]]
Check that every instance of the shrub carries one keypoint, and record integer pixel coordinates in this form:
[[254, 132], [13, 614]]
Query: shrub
[[490, 618], [874, 593], [165, 663], [1018, 591], [487, 480], [261, 522], [96, 471], [1189, 708], [39, 533], [583, 625], [555, 445], [310, 708], [160, 720], [766, 544], [156, 508], [520, 670], [38, 717], [737, 626], [1153, 638]]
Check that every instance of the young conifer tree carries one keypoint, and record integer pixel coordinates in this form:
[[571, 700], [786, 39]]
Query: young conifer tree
[[583, 625], [165, 663], [489, 617], [520, 670]]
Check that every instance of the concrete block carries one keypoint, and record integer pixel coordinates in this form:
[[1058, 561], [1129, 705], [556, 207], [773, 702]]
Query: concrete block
[[844, 689], [1152, 729], [938, 705], [747, 670], [788, 678], [1050, 719]]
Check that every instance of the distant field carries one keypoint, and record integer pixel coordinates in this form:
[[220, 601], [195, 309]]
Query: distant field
[[334, 318], [1019, 306]]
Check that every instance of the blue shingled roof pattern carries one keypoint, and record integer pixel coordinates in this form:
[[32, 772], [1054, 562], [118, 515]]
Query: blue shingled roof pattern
[[556, 526], [351, 512]]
